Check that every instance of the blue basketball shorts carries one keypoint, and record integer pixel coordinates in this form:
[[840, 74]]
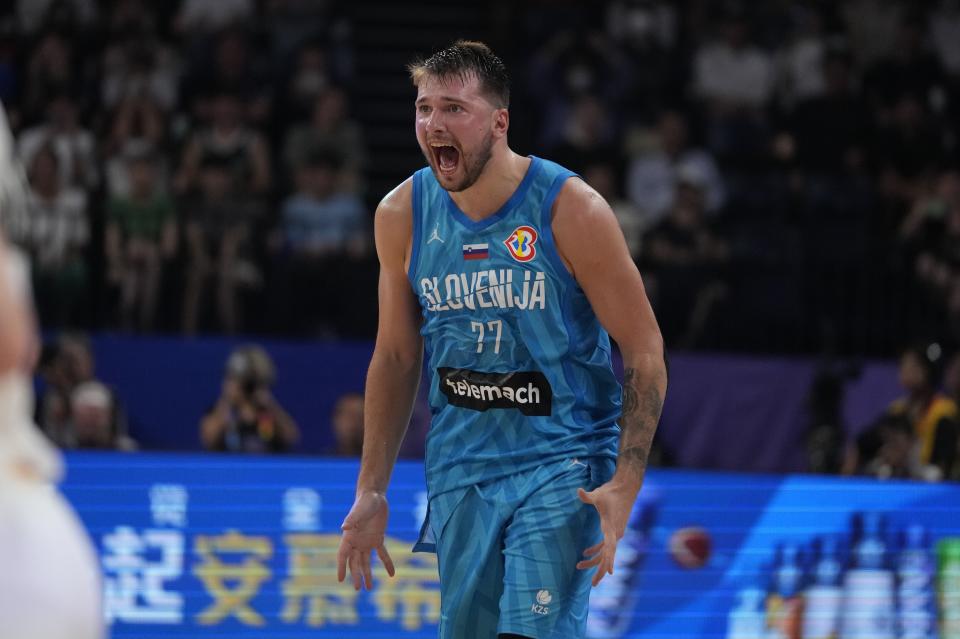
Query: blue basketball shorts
[[507, 551]]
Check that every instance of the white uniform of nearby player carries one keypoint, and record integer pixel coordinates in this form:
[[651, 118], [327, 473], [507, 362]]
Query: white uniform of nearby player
[[50, 585]]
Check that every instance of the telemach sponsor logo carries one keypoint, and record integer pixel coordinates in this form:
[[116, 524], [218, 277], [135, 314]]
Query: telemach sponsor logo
[[527, 391]]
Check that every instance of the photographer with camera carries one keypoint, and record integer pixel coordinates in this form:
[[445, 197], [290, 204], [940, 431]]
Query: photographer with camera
[[246, 417]]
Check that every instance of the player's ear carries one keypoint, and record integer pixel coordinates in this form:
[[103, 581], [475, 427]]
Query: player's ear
[[501, 122]]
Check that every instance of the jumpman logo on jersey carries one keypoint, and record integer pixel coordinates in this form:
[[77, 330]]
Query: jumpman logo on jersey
[[435, 236]]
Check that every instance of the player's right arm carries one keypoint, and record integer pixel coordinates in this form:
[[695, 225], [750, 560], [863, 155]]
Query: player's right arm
[[392, 381]]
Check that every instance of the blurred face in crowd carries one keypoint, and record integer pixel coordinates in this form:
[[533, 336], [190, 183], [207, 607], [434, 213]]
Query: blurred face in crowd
[[913, 373], [348, 425], [672, 130], [687, 210], [215, 182], [91, 423], [601, 178], [142, 177], [62, 113], [457, 127], [227, 113], [319, 180], [232, 55], [329, 109], [897, 447], [43, 172], [735, 32], [90, 413], [590, 117]]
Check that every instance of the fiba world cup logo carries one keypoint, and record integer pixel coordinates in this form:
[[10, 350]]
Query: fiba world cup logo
[[521, 243]]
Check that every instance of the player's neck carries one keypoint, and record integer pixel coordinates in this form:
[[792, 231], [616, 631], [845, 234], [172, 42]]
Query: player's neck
[[500, 178]]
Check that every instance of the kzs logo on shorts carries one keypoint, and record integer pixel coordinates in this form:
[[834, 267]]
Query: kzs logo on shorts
[[543, 600]]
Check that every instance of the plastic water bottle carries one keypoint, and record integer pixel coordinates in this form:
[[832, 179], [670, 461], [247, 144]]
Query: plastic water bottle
[[747, 620], [868, 587], [784, 603], [916, 602], [948, 581], [823, 597]]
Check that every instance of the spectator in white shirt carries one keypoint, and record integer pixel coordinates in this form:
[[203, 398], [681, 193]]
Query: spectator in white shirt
[[652, 177], [74, 146], [732, 74]]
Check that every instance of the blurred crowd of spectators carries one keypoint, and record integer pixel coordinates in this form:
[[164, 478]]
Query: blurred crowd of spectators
[[787, 175], [190, 164], [786, 172]]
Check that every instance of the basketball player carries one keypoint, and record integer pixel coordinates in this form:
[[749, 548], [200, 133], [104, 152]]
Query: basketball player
[[511, 271], [49, 582]]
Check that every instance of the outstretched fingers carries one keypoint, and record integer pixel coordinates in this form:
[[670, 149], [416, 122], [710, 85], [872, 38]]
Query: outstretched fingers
[[593, 557], [365, 568], [385, 558], [343, 555], [355, 569]]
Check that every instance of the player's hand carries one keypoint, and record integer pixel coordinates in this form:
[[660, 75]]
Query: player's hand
[[613, 502], [363, 532]]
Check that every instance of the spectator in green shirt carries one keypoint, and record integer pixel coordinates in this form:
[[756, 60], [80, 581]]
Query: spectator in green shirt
[[141, 235]]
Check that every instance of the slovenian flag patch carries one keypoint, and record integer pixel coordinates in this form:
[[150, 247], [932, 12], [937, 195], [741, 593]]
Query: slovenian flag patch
[[476, 251]]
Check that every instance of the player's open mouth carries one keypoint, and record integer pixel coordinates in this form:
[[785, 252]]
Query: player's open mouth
[[446, 157]]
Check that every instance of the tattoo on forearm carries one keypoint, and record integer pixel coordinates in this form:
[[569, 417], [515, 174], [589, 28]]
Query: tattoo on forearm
[[638, 422]]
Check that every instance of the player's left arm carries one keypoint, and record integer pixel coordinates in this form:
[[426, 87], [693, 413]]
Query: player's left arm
[[594, 250]]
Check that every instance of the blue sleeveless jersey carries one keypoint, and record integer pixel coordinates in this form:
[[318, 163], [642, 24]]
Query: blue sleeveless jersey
[[519, 366]]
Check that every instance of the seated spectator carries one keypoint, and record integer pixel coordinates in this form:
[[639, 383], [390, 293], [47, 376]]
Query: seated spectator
[[686, 260], [910, 68], [588, 135], [74, 146], [66, 15], [323, 230], [320, 218], [828, 131], [55, 232], [141, 235], [66, 366], [347, 425], [94, 420], [138, 128], [218, 226], [309, 81], [824, 436], [652, 177], [235, 68], [247, 418], [931, 415], [330, 127], [890, 450], [735, 80], [138, 67], [229, 141], [51, 70], [197, 18], [931, 236]]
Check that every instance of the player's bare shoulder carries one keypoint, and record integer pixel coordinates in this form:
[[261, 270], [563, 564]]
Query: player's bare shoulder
[[583, 223], [393, 224], [578, 206]]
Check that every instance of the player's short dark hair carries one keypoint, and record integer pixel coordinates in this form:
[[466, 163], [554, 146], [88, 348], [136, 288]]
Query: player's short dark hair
[[463, 59]]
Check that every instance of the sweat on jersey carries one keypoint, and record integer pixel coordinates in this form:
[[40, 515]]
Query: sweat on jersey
[[519, 366]]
